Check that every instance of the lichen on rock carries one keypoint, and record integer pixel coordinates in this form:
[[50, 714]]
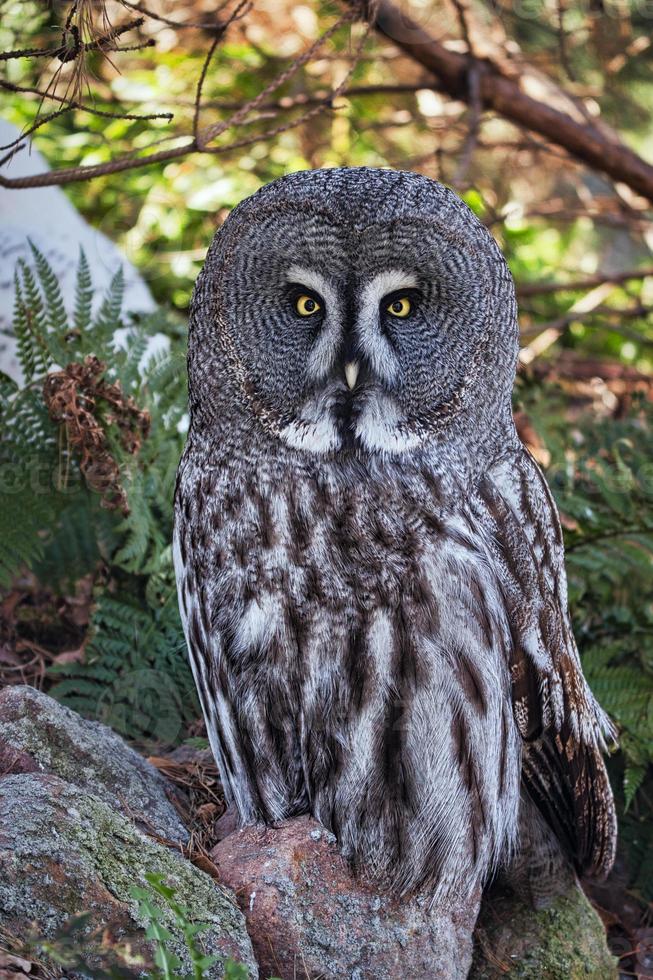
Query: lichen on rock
[[64, 852], [37, 734], [565, 941]]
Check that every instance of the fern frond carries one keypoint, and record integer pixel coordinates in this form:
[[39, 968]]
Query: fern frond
[[25, 344], [129, 365], [141, 529], [55, 311], [8, 389], [83, 295], [44, 310], [78, 540], [24, 516], [135, 675], [53, 525], [107, 320], [633, 779]]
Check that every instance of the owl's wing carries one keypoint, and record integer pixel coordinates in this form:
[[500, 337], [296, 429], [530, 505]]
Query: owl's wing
[[563, 727]]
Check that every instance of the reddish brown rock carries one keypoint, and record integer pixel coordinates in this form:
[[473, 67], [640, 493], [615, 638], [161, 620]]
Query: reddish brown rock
[[307, 916]]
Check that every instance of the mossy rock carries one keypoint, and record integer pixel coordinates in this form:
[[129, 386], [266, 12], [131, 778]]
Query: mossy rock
[[37, 734], [64, 852], [565, 941]]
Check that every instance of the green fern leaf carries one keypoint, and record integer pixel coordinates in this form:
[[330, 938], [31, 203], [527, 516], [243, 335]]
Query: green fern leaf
[[107, 320], [83, 295], [55, 311], [633, 779], [25, 341]]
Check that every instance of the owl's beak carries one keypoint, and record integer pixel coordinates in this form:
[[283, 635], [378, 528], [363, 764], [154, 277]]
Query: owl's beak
[[351, 373]]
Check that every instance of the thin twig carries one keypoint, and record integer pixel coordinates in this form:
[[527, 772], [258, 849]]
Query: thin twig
[[81, 106], [622, 532], [301, 119], [209, 26], [565, 321], [312, 98], [241, 9], [41, 121], [102, 42], [464, 28], [476, 106], [471, 139], [238, 117], [562, 41], [29, 53], [576, 285]]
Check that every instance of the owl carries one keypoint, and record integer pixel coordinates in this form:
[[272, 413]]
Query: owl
[[369, 563]]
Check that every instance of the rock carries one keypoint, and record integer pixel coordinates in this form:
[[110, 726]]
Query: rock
[[308, 917], [73, 796], [37, 734], [227, 824], [185, 754], [563, 942], [64, 852]]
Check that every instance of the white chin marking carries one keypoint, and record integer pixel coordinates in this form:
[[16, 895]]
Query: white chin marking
[[379, 427], [315, 430], [313, 437]]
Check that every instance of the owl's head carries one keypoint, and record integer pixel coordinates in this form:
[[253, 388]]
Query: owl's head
[[354, 310]]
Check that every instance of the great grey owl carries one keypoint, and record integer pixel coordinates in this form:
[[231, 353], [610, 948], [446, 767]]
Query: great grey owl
[[370, 565]]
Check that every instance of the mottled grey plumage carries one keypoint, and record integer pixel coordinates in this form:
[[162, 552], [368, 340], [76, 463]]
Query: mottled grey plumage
[[371, 577]]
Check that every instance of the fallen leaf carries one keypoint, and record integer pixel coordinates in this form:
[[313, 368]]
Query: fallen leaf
[[70, 656]]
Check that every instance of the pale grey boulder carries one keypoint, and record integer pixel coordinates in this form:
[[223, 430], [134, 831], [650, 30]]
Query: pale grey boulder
[[64, 851], [37, 734]]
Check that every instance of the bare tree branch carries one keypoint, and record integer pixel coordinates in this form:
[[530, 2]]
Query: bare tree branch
[[505, 96], [201, 139], [577, 285], [80, 106], [476, 111], [211, 27]]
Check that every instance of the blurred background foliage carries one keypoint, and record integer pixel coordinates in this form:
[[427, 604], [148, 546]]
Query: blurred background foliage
[[89, 606]]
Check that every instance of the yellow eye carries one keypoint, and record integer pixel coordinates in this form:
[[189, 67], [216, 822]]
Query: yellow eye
[[400, 307], [307, 306]]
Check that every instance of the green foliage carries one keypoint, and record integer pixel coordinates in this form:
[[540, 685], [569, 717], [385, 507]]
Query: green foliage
[[74, 945], [158, 908], [169, 965], [134, 674]]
